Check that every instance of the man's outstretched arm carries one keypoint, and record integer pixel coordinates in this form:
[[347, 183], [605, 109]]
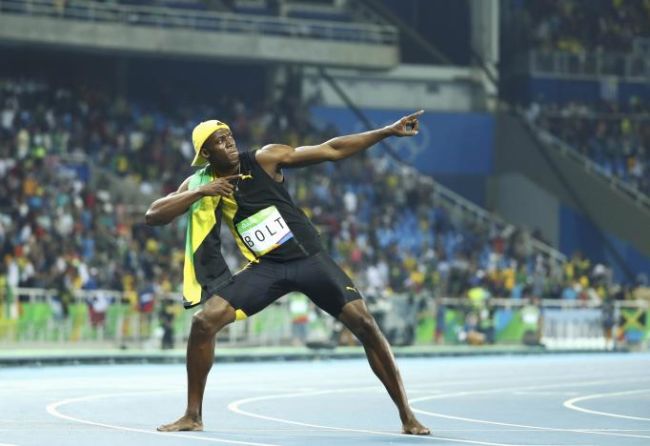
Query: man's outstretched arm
[[275, 156]]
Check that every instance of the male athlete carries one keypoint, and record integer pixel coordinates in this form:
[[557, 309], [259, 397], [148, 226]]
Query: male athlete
[[248, 191]]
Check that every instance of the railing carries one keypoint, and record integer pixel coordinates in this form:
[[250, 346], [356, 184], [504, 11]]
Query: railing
[[633, 66], [113, 317], [562, 324], [207, 21], [599, 115], [35, 316], [546, 137]]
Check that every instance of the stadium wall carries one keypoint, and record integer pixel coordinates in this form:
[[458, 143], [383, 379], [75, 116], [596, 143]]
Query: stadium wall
[[518, 199], [118, 37], [440, 88], [448, 143], [579, 233]]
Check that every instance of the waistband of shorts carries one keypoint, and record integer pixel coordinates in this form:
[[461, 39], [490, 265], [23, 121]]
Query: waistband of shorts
[[285, 262]]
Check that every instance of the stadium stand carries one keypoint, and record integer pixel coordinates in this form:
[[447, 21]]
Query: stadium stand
[[615, 136], [409, 242], [573, 46], [62, 229]]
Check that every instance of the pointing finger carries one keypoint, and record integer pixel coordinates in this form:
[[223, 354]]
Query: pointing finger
[[415, 115]]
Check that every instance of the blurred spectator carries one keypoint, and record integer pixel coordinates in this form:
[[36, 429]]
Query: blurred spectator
[[532, 318], [146, 300], [642, 289], [479, 301], [471, 333], [167, 315], [299, 309], [97, 307], [608, 321]]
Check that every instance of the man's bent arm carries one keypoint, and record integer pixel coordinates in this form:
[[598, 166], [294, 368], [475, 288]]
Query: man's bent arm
[[165, 209]]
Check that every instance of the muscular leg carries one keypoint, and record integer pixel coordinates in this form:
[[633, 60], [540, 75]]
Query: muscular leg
[[216, 314], [357, 318]]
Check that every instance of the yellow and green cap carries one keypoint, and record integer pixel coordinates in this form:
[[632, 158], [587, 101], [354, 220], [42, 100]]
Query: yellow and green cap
[[201, 132]]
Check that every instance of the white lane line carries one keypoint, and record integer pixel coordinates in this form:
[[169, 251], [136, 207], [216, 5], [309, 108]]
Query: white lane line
[[526, 426], [52, 409], [235, 407], [571, 404], [484, 380], [546, 393], [528, 430], [68, 384], [615, 433], [520, 388]]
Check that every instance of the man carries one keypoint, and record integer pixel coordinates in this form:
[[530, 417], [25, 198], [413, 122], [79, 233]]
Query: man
[[247, 190]]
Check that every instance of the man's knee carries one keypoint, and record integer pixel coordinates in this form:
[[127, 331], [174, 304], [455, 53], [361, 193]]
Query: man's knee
[[201, 323], [216, 314], [365, 327], [358, 319]]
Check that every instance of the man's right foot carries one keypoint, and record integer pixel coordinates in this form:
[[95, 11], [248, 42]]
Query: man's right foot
[[413, 427], [184, 423]]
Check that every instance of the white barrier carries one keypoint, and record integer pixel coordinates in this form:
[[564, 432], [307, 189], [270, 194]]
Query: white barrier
[[33, 315]]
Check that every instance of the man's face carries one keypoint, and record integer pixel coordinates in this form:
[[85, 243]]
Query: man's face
[[220, 149]]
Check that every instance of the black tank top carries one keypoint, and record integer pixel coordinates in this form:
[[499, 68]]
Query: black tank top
[[266, 218]]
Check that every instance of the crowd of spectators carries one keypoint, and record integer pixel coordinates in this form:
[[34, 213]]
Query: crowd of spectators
[[616, 136], [383, 222], [581, 26], [145, 142]]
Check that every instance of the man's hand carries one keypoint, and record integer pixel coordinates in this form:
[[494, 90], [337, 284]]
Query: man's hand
[[221, 186], [406, 126]]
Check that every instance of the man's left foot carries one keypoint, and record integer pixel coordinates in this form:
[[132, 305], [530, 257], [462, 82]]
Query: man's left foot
[[414, 427]]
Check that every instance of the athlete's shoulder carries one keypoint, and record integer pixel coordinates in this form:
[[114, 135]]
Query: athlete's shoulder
[[185, 184], [199, 177], [270, 157], [272, 153], [273, 150]]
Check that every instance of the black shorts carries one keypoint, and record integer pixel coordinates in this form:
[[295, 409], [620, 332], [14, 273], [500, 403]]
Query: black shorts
[[318, 277]]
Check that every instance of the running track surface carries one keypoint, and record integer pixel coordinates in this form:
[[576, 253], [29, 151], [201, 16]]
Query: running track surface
[[601, 399]]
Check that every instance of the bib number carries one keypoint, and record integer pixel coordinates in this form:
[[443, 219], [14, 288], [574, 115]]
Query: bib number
[[264, 231]]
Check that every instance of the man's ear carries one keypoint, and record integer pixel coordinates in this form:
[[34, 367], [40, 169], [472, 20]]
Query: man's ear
[[204, 153]]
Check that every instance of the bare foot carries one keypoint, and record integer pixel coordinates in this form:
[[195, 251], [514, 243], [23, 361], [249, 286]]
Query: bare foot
[[413, 427], [184, 423]]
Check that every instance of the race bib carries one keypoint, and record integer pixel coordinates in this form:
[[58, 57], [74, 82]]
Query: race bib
[[264, 231]]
